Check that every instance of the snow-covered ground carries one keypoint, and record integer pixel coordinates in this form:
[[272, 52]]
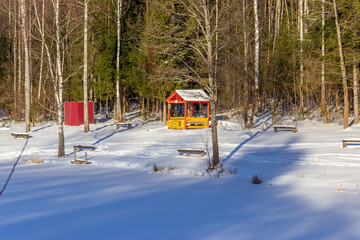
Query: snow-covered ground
[[310, 191]]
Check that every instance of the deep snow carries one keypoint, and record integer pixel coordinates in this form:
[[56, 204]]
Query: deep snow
[[310, 189]]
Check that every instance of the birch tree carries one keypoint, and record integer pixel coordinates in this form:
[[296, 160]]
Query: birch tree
[[323, 90], [301, 30], [119, 114], [25, 38], [256, 64], [85, 75], [343, 68], [202, 14], [55, 66], [42, 49]]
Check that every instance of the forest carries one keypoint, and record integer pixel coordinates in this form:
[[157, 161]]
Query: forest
[[294, 56]]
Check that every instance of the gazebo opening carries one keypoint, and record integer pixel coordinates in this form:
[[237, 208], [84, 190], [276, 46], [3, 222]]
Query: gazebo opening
[[188, 109]]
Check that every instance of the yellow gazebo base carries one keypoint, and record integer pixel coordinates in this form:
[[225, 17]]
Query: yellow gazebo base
[[191, 122]]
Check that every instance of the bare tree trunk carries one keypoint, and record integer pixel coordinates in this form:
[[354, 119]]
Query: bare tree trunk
[[20, 68], [277, 21], [343, 69], [245, 38], [61, 149], [107, 106], [212, 85], [257, 65], [301, 29], [118, 52], [323, 89], [42, 49], [85, 76], [27, 65], [164, 113], [356, 91], [15, 39]]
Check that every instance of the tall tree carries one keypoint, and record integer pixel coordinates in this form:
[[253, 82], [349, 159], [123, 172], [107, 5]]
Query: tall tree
[[202, 15], [256, 64], [85, 75], [25, 37], [301, 30], [55, 66], [119, 114], [323, 89], [343, 68]]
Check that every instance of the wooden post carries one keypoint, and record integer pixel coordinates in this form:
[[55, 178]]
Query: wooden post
[[75, 153], [85, 158], [169, 107], [208, 112], [185, 114], [191, 109]]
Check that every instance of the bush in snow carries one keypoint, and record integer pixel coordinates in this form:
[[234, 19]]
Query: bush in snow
[[256, 179]]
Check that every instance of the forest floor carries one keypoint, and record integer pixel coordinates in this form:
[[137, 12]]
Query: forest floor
[[139, 187]]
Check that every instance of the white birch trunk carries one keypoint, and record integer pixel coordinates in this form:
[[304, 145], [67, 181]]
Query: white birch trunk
[[85, 76], [27, 65], [60, 103], [245, 38], [42, 49], [118, 115], [301, 29], [343, 69], [356, 91], [15, 39], [277, 22], [257, 45], [323, 89]]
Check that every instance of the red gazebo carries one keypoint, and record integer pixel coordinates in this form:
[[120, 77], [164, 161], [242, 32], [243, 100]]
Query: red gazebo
[[188, 109]]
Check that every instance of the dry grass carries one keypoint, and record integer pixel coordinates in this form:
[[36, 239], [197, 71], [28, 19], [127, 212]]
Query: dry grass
[[34, 160]]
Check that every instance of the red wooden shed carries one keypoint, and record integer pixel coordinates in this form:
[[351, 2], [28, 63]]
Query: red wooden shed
[[188, 109], [74, 113]]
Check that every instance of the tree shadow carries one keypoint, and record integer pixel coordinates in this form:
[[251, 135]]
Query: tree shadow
[[251, 137], [42, 128]]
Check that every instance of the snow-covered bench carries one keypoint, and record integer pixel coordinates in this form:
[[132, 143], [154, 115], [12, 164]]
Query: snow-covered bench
[[79, 147], [23, 135], [128, 125], [276, 127], [182, 151], [345, 141]]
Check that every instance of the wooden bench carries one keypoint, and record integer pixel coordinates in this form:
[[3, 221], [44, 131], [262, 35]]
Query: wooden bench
[[196, 123], [128, 125], [23, 135], [188, 152], [276, 127], [79, 147], [345, 141]]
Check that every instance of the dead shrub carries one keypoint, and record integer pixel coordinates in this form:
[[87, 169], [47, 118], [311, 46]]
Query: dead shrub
[[256, 179]]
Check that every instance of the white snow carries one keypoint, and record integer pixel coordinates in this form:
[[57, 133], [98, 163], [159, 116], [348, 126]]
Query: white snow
[[310, 191], [193, 95]]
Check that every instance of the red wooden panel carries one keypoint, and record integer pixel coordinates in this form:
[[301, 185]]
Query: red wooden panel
[[74, 113]]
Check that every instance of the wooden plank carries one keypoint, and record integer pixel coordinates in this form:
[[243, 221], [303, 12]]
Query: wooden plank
[[91, 148], [76, 147], [80, 162], [23, 135], [128, 125], [182, 151], [276, 127], [345, 141]]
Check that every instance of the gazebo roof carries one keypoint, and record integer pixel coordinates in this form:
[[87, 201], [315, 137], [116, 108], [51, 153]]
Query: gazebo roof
[[189, 95]]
